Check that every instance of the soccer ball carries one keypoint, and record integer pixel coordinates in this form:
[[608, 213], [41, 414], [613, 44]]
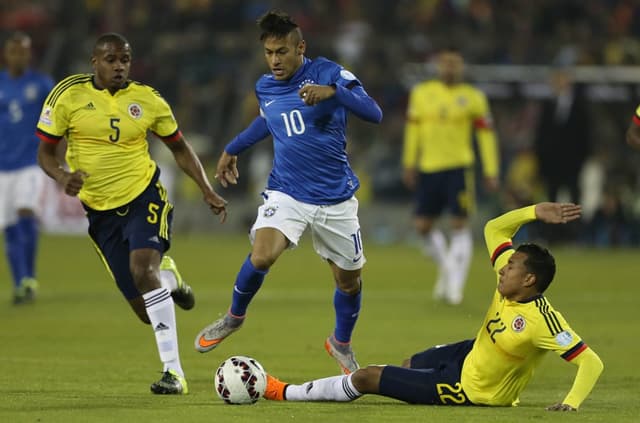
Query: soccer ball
[[240, 380]]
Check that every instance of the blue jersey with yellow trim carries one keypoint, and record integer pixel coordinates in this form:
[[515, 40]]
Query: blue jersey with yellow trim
[[21, 99], [310, 161]]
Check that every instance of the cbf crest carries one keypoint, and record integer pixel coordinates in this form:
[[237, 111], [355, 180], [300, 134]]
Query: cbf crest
[[518, 324], [135, 110], [269, 211]]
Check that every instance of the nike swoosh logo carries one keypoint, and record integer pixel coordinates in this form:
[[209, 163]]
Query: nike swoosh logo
[[268, 103], [357, 259], [205, 343], [235, 288]]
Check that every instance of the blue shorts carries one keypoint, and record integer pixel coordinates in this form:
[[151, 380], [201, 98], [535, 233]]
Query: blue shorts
[[450, 190], [433, 379], [143, 223]]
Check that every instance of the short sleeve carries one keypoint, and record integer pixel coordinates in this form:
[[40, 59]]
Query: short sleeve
[[164, 125], [555, 334], [54, 118]]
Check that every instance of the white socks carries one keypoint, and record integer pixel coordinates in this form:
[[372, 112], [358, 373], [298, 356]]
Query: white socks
[[435, 246], [453, 263], [162, 315], [335, 388], [458, 261]]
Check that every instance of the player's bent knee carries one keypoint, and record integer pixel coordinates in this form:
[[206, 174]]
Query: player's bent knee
[[350, 289], [262, 261], [145, 277], [367, 380]]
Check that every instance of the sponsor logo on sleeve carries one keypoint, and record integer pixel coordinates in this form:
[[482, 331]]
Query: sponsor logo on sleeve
[[345, 74], [45, 117], [564, 338]]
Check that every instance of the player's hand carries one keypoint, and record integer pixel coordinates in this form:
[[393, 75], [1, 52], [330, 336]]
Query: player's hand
[[227, 169], [72, 182], [217, 204], [560, 407], [558, 212], [313, 94], [491, 184], [409, 178]]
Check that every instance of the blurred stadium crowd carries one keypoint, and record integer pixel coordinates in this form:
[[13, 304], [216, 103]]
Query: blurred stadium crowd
[[204, 57]]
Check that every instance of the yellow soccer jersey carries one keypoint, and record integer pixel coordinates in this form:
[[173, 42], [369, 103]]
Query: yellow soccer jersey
[[106, 136], [514, 335], [440, 121]]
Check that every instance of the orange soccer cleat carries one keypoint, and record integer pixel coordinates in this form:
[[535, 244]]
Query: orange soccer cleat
[[275, 389]]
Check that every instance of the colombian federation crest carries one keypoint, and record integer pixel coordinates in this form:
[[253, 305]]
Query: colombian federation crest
[[518, 324], [135, 110]]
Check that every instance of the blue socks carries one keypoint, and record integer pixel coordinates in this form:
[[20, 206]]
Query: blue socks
[[248, 282], [21, 241], [347, 310]]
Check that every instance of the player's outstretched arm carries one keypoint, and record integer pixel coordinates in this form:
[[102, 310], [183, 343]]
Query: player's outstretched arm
[[227, 169], [589, 369], [499, 231], [190, 164]]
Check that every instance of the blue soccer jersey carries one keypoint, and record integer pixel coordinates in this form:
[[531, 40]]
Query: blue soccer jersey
[[310, 162], [21, 101]]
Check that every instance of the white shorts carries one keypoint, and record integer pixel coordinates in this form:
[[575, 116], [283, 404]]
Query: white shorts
[[335, 229], [19, 189]]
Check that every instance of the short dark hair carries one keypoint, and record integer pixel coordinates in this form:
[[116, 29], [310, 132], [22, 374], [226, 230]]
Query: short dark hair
[[540, 262], [110, 37], [278, 24]]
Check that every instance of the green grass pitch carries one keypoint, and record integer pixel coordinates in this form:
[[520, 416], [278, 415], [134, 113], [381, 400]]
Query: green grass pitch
[[80, 355]]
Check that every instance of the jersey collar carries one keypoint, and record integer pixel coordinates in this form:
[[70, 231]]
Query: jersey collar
[[528, 300], [93, 82]]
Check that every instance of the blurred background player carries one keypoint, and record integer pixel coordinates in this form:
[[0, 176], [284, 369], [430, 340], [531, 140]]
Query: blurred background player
[[494, 367], [105, 117], [22, 92], [437, 163], [303, 105]]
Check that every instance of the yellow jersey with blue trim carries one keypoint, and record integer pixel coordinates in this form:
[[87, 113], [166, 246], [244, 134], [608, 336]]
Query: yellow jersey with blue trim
[[514, 335], [439, 130], [107, 136]]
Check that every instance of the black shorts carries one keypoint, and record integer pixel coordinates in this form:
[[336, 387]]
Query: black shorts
[[143, 223], [449, 190], [433, 379]]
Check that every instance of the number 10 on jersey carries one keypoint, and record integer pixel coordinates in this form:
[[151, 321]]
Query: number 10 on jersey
[[293, 122]]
